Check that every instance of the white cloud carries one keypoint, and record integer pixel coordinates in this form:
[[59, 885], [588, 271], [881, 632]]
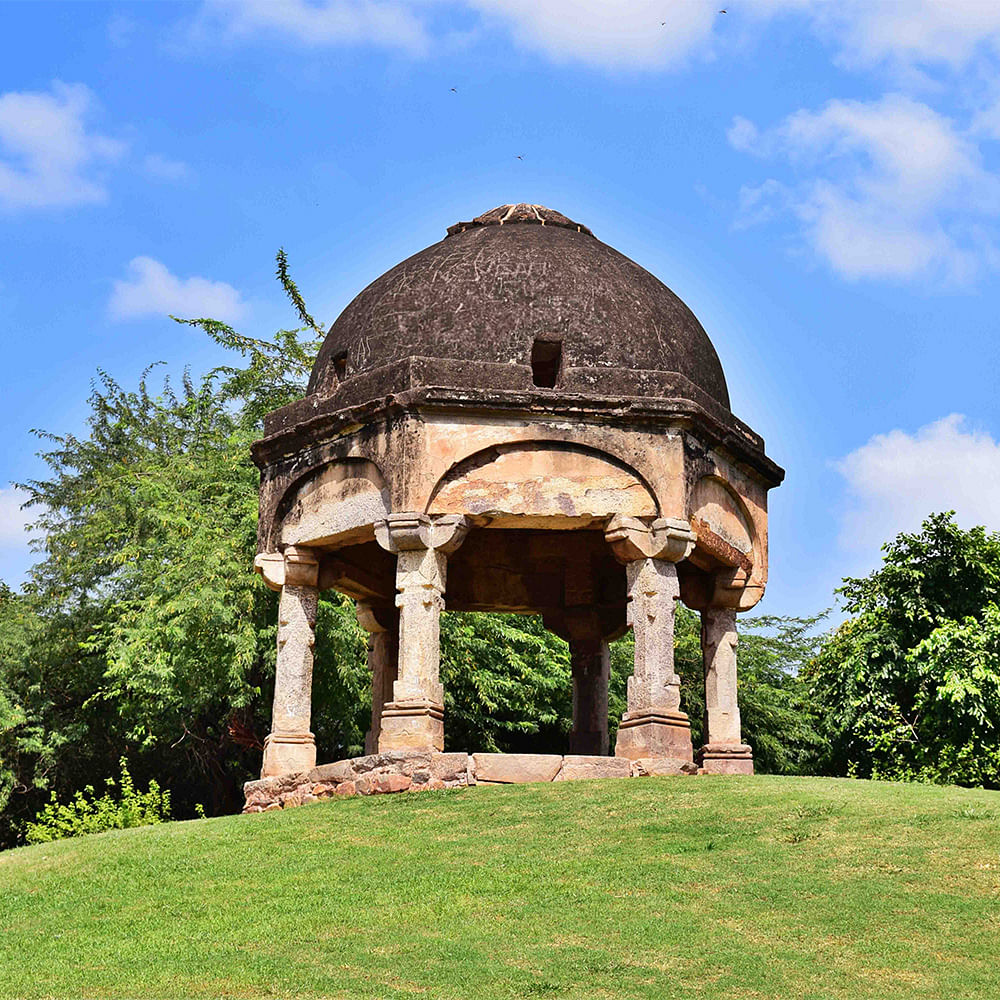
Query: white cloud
[[164, 169], [905, 35], [615, 35], [886, 189], [638, 34], [12, 518], [324, 23], [898, 479], [151, 290], [47, 155]]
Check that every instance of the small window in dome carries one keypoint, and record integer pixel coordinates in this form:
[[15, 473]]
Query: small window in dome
[[340, 365], [546, 360]]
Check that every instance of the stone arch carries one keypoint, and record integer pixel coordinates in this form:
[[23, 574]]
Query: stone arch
[[334, 504], [550, 481], [722, 522]]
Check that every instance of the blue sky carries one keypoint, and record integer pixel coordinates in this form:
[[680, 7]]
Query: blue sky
[[817, 181]]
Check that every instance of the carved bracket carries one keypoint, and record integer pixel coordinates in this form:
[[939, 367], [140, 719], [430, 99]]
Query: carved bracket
[[408, 532], [298, 567], [631, 538]]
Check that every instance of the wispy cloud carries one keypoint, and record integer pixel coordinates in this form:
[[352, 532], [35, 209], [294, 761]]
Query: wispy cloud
[[641, 34], [337, 22], [897, 479], [151, 290], [49, 155], [881, 189], [12, 518], [164, 169]]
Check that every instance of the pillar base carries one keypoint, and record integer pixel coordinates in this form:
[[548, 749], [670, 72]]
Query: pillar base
[[652, 733], [286, 753], [725, 758], [412, 725]]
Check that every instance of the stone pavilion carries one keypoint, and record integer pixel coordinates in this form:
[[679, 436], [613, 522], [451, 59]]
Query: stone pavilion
[[519, 419]]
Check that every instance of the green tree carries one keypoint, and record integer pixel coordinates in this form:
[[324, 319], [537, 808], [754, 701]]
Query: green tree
[[910, 683]]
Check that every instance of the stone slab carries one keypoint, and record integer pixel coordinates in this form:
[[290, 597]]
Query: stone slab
[[577, 767], [657, 766], [449, 767], [515, 768]]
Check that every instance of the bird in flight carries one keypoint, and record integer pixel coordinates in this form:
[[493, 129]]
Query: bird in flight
[[723, 11], [519, 156], [454, 90]]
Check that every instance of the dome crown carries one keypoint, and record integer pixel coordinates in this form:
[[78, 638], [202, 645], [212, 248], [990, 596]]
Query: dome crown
[[520, 298]]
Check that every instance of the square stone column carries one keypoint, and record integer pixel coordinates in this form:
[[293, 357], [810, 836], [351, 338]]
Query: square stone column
[[590, 660], [724, 751], [654, 725], [382, 625], [414, 718], [291, 746]]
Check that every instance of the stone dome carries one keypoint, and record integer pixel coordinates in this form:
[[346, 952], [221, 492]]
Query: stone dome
[[520, 298]]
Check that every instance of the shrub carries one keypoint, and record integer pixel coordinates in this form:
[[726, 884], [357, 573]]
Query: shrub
[[88, 813]]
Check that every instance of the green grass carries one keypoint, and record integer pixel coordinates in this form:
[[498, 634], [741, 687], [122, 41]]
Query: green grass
[[732, 888]]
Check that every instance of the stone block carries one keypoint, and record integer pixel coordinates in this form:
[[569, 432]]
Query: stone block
[[381, 784], [292, 798], [345, 788], [726, 765], [450, 767], [515, 768], [416, 729], [657, 766], [726, 758], [654, 734], [339, 770], [396, 761], [577, 766]]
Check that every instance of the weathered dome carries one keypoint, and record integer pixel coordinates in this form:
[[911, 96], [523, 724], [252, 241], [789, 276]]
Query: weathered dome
[[520, 297]]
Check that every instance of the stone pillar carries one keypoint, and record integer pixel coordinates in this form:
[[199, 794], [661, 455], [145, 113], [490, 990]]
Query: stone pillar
[[654, 725], [290, 745], [382, 625], [724, 751], [414, 718], [591, 664]]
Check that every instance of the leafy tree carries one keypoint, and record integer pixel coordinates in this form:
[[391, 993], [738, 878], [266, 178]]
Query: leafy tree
[[507, 683], [911, 682]]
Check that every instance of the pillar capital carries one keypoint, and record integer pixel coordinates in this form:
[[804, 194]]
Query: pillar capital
[[297, 566], [409, 532], [632, 538]]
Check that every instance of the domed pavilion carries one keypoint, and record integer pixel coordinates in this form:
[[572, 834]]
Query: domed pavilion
[[518, 419]]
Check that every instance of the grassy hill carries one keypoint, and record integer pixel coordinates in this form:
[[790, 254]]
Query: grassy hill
[[676, 887]]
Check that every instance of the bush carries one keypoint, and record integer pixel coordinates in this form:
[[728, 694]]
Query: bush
[[87, 813]]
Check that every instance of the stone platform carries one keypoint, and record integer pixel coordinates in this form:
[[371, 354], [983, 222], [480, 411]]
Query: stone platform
[[418, 770]]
